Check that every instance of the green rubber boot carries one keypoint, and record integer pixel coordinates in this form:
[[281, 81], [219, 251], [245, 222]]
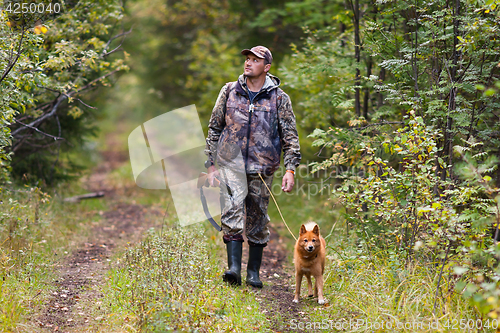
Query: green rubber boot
[[233, 274], [253, 267]]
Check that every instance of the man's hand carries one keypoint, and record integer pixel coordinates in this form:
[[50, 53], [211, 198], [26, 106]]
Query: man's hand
[[288, 182], [212, 174]]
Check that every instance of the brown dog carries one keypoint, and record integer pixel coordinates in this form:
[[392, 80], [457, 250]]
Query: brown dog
[[309, 259]]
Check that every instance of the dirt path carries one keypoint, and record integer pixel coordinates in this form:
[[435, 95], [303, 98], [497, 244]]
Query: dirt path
[[277, 295], [83, 271], [80, 274]]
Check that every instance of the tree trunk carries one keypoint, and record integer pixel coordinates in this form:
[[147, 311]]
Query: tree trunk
[[357, 53], [366, 89], [380, 96], [448, 138]]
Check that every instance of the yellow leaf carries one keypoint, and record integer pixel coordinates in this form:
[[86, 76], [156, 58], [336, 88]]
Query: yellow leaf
[[436, 205], [44, 29]]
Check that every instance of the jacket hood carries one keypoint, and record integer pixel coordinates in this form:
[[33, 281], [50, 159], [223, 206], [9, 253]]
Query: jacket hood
[[272, 82]]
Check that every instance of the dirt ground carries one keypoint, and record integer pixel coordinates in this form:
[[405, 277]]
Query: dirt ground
[[277, 295], [84, 270], [81, 272]]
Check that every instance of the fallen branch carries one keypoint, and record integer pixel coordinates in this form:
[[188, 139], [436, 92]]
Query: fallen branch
[[77, 198]]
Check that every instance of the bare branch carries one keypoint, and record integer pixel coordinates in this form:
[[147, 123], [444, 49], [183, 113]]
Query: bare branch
[[59, 100], [104, 53], [36, 129], [88, 85], [63, 93], [89, 106], [11, 63], [113, 50], [41, 118]]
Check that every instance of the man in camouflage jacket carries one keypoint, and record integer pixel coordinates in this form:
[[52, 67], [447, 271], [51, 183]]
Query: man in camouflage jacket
[[254, 115]]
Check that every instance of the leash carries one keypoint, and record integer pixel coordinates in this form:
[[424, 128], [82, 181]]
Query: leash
[[279, 210], [203, 181]]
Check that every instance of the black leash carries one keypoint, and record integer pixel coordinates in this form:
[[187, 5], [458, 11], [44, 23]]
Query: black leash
[[207, 213]]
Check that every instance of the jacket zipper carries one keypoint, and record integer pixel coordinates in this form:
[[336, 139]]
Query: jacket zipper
[[250, 111]]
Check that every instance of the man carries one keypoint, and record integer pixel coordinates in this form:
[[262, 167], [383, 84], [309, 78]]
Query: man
[[256, 116]]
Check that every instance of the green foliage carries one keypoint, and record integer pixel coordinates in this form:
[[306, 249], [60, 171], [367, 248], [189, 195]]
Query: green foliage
[[13, 88], [47, 85], [382, 292], [319, 76], [406, 190], [189, 49], [480, 200]]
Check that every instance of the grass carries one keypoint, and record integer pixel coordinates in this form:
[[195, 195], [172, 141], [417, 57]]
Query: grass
[[374, 292], [36, 232], [171, 282], [366, 288]]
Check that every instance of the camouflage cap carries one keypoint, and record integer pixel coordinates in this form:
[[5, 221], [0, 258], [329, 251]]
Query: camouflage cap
[[260, 52]]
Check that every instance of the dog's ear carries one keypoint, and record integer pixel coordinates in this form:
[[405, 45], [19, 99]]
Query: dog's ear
[[302, 230], [316, 230]]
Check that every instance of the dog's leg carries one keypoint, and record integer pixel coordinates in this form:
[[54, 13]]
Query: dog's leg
[[309, 286], [298, 281], [319, 289]]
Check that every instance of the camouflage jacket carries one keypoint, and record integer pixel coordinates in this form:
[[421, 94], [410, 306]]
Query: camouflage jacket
[[261, 130]]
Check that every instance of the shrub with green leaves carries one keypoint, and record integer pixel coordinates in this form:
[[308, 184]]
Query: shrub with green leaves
[[50, 68]]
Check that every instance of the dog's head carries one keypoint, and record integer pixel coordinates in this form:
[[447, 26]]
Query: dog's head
[[309, 238]]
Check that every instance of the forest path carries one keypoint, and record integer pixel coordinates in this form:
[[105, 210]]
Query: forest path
[[75, 304], [82, 272]]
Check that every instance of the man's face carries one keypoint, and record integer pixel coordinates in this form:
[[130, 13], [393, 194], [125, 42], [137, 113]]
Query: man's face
[[254, 67]]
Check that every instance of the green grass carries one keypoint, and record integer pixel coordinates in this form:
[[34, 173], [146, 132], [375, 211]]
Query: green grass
[[375, 292], [172, 279], [367, 288], [172, 282], [36, 232]]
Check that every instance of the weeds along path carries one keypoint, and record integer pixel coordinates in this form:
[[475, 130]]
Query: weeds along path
[[74, 306]]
